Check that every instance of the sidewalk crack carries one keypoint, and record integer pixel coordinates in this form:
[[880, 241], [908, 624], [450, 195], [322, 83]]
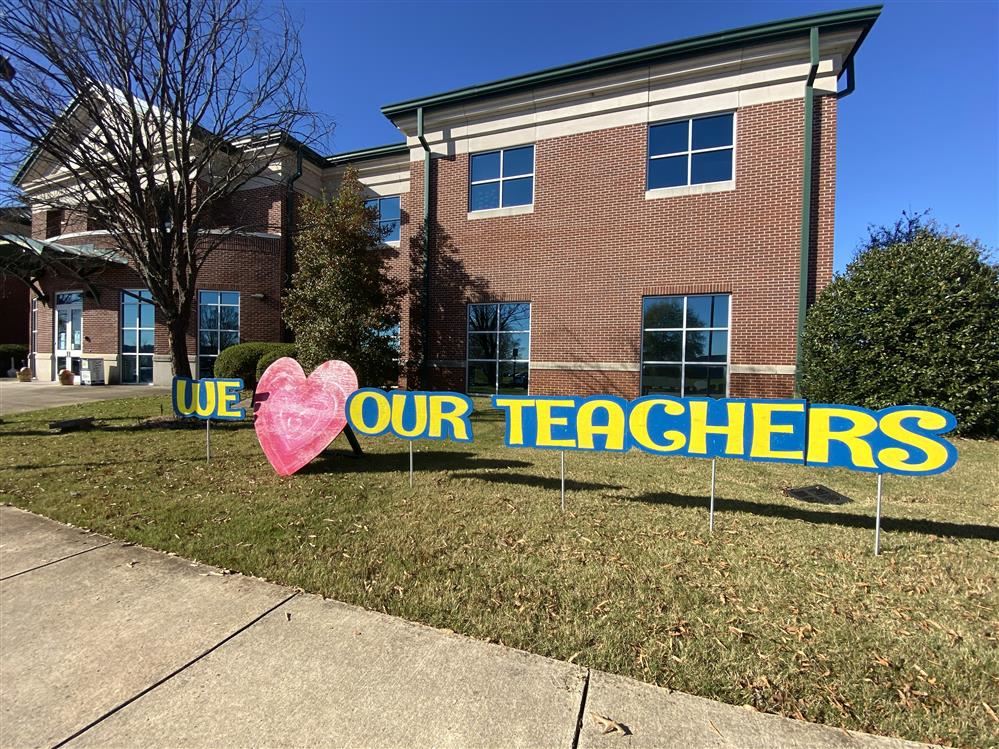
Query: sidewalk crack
[[54, 561], [173, 673], [582, 709]]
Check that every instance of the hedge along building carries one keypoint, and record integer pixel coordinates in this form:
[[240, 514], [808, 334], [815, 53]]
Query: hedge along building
[[653, 221]]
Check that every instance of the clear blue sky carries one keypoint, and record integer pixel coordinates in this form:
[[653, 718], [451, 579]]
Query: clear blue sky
[[919, 132]]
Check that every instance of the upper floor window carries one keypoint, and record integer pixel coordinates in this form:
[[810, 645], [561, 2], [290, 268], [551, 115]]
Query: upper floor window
[[388, 210], [691, 152], [53, 222], [499, 179]]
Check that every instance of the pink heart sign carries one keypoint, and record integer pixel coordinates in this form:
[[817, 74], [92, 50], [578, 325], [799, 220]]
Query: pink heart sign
[[297, 417]]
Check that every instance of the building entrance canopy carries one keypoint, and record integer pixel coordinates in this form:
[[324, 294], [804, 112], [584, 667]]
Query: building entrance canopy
[[28, 259]]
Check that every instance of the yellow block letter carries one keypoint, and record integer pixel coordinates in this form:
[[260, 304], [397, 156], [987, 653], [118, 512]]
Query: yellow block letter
[[356, 412], [638, 424], [514, 417], [734, 430], [820, 434], [938, 452], [614, 430], [546, 421], [399, 402], [764, 429], [456, 415]]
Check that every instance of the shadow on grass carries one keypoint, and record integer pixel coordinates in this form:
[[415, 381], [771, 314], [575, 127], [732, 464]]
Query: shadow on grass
[[342, 461], [541, 482], [823, 517], [100, 427]]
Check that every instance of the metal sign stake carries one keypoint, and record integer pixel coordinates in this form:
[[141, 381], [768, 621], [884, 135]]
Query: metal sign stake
[[208, 440], [410, 464], [563, 481], [877, 519], [711, 510]]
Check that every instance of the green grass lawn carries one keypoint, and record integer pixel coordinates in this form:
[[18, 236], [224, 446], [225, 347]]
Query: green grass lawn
[[783, 608]]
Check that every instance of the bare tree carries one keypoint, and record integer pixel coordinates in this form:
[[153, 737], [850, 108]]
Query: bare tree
[[151, 114]]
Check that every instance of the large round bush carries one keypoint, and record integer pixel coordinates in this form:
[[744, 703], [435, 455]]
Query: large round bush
[[914, 319], [276, 351], [241, 361]]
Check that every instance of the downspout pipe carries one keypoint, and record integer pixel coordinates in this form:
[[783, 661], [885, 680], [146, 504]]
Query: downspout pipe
[[806, 202], [286, 230], [425, 322]]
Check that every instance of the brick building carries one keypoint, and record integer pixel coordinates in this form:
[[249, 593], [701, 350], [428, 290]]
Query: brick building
[[14, 220], [652, 221]]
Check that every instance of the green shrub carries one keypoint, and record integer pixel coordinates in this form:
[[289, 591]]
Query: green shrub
[[276, 352], [913, 320], [241, 361], [16, 351]]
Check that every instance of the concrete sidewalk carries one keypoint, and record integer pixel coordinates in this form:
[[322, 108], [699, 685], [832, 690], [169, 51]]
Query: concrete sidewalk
[[106, 644], [18, 397]]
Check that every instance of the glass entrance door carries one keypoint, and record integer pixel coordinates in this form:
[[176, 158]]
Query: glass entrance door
[[69, 331]]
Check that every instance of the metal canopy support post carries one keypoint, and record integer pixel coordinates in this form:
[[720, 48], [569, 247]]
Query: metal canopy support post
[[711, 508], [877, 518], [563, 480], [411, 464]]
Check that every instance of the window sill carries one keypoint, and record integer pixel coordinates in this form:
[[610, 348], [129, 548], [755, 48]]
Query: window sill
[[513, 210], [703, 189]]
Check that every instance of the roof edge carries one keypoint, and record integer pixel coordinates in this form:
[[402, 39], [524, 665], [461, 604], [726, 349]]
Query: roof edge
[[364, 154], [864, 15]]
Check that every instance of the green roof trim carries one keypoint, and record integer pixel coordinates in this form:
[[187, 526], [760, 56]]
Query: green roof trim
[[363, 154], [864, 16]]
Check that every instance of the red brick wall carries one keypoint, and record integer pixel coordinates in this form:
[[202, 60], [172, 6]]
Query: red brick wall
[[13, 313], [249, 265], [594, 246]]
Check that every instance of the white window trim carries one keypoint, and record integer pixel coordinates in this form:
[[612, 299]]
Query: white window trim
[[683, 364], [700, 187], [469, 332], [482, 212]]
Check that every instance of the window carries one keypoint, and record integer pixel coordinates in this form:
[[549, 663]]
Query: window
[[500, 179], [685, 345], [137, 337], [388, 216], [499, 348], [53, 223], [218, 327], [691, 152]]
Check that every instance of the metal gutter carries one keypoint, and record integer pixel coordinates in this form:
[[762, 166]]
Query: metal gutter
[[363, 154], [286, 230], [806, 201], [866, 16], [425, 362]]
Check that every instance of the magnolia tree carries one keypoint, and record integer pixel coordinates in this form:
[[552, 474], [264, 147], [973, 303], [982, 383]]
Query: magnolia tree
[[913, 320], [343, 304], [150, 115]]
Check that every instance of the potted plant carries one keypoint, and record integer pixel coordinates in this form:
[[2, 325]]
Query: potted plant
[[24, 374], [66, 377]]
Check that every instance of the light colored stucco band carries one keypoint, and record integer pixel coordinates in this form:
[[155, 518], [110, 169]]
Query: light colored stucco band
[[586, 366], [723, 81], [764, 369], [513, 210]]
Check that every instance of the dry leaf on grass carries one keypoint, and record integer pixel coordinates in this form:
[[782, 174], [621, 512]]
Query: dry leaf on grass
[[611, 726]]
